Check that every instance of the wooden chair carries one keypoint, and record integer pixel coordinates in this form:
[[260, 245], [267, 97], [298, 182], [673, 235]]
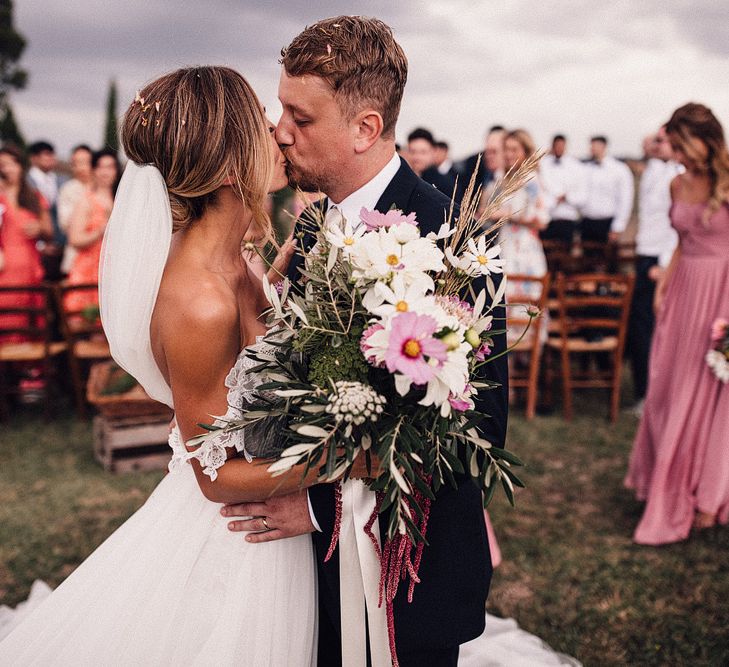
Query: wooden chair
[[84, 337], [531, 344], [558, 254], [26, 336], [593, 319]]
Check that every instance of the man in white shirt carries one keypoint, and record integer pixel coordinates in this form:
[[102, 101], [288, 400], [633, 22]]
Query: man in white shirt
[[563, 178], [656, 241], [610, 190], [43, 177]]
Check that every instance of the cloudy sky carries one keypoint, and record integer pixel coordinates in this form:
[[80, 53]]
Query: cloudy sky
[[578, 67]]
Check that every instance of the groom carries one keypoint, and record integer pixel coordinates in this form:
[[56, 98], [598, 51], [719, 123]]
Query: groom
[[340, 88]]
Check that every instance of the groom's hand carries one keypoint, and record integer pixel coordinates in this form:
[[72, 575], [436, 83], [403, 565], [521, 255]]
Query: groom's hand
[[285, 516]]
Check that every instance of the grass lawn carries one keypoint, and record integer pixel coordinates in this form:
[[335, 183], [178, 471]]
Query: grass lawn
[[570, 572]]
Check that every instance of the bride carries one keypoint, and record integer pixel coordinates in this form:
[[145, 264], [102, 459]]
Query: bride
[[173, 585]]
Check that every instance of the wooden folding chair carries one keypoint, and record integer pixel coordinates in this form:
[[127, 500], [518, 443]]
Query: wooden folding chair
[[531, 344], [26, 336], [81, 327], [593, 320]]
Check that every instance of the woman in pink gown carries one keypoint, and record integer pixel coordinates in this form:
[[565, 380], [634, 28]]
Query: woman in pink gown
[[680, 459]]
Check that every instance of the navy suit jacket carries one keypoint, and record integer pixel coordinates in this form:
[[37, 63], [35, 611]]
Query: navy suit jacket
[[448, 606]]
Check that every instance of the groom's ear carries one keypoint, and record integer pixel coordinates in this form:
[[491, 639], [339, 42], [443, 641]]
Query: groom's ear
[[368, 129]]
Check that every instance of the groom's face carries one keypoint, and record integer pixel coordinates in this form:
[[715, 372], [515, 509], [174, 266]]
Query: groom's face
[[313, 133]]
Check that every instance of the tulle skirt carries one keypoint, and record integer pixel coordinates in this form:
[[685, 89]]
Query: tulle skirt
[[174, 586]]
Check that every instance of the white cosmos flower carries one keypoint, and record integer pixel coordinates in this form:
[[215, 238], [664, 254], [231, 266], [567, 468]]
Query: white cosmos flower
[[451, 377], [483, 260], [384, 301], [381, 255], [345, 238]]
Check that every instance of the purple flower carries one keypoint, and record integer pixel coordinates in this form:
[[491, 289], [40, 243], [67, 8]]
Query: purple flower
[[366, 348], [375, 220], [483, 352], [412, 347]]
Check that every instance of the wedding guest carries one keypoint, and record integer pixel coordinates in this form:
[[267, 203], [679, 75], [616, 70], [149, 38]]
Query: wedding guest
[[526, 215], [42, 172], [609, 199], [43, 177], [680, 461], [87, 226], [71, 193], [656, 241], [444, 164], [25, 221], [491, 165], [564, 182], [421, 156]]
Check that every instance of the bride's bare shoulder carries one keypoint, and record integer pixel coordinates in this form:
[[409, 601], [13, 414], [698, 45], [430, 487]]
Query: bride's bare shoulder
[[196, 302]]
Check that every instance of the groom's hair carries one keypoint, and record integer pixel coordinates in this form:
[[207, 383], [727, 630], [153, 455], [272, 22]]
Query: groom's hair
[[359, 58]]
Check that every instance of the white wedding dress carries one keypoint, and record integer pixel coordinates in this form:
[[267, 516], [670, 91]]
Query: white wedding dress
[[173, 586]]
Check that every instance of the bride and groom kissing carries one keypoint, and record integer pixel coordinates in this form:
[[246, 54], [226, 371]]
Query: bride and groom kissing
[[177, 583]]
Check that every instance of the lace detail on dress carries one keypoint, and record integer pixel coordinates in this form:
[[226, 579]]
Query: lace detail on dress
[[241, 384]]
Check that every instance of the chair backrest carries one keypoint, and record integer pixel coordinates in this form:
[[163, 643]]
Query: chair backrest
[[78, 322], [594, 302], [558, 254], [25, 313], [516, 316]]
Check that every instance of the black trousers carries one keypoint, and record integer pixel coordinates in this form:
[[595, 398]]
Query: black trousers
[[559, 230], [596, 229], [641, 324], [330, 650]]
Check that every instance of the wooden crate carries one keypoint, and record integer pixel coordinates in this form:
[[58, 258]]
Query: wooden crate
[[132, 443]]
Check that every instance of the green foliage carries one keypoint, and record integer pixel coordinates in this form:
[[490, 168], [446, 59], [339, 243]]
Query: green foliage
[[12, 76], [9, 131], [12, 45], [330, 364], [111, 131]]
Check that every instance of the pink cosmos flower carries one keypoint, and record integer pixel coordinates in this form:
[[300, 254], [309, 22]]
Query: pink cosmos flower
[[376, 220], [483, 352], [718, 329], [463, 401], [412, 347], [365, 346]]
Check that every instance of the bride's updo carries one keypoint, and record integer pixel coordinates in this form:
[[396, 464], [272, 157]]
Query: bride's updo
[[202, 127]]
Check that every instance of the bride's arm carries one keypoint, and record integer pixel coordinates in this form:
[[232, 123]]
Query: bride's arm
[[200, 347]]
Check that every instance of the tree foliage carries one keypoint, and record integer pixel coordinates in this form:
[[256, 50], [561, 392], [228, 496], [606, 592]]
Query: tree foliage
[[12, 76], [111, 131]]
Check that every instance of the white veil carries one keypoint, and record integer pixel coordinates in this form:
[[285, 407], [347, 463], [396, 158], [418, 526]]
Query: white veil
[[133, 257]]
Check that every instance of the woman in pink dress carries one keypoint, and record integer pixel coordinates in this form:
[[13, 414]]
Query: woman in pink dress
[[24, 220], [87, 225], [680, 459]]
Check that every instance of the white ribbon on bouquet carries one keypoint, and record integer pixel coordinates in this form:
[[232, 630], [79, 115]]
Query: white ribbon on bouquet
[[359, 581]]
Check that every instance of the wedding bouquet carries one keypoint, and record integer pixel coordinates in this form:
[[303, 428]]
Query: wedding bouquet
[[718, 356], [380, 353]]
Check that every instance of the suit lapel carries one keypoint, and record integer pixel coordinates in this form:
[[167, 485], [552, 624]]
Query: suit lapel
[[399, 190]]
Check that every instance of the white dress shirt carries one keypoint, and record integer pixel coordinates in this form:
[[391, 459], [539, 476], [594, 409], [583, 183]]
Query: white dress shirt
[[610, 191], [656, 237], [367, 196], [46, 183], [564, 176], [445, 166]]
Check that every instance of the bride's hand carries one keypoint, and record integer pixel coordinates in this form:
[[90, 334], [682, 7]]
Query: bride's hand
[[281, 263]]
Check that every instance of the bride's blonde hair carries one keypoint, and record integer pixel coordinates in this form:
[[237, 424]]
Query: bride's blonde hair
[[203, 128]]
